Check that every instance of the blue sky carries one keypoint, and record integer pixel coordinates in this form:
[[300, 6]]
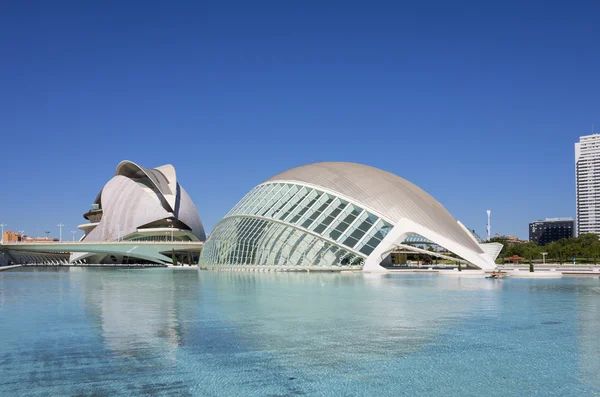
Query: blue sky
[[478, 103]]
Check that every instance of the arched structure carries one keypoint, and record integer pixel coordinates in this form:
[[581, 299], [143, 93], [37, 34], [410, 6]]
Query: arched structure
[[141, 204], [333, 216]]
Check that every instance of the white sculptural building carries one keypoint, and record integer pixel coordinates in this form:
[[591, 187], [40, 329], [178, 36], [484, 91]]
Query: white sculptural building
[[140, 204], [325, 216], [335, 216], [141, 216]]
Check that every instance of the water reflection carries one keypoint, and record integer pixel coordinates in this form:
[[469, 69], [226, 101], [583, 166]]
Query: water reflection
[[138, 310], [588, 318], [353, 316], [182, 332], [283, 324]]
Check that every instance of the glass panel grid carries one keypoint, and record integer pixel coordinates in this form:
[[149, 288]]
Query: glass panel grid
[[286, 197], [292, 204], [253, 242], [247, 202], [266, 197], [272, 200], [316, 210], [302, 206], [352, 234], [326, 213], [348, 208], [243, 201], [257, 242]]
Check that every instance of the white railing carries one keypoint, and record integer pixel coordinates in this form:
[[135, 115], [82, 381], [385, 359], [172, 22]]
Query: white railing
[[121, 242]]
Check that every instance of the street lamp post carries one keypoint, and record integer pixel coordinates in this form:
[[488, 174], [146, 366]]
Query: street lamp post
[[171, 226], [544, 257], [2, 237], [60, 226], [73, 232]]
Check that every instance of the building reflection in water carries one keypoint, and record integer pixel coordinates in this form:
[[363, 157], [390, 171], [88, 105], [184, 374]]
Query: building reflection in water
[[143, 313], [137, 310], [352, 316], [172, 332]]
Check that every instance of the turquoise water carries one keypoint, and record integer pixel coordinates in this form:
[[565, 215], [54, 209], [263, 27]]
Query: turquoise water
[[159, 332]]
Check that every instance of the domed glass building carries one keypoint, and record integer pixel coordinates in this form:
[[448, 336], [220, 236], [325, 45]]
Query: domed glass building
[[334, 216]]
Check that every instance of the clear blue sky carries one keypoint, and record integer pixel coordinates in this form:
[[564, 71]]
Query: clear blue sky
[[478, 103]]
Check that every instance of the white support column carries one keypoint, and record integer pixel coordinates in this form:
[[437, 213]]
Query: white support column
[[397, 234], [404, 227], [2, 236], [489, 225]]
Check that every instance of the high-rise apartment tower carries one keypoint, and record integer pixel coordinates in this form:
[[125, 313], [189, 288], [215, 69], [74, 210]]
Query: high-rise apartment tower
[[587, 183]]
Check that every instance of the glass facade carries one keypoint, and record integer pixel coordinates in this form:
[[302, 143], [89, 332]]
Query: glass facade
[[167, 237], [294, 226], [416, 239], [552, 229]]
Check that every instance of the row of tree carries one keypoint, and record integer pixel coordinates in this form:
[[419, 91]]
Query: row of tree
[[584, 248]]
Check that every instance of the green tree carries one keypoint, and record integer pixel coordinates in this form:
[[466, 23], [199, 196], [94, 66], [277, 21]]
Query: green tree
[[563, 250], [584, 246], [595, 251], [553, 250], [588, 246], [530, 250], [570, 250]]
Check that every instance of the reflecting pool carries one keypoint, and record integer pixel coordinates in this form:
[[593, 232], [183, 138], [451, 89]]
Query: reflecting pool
[[163, 332]]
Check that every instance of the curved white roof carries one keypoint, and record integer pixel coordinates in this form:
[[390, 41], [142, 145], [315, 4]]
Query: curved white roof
[[126, 206], [162, 178], [384, 192]]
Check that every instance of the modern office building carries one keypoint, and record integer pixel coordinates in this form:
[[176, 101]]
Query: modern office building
[[587, 183], [551, 229], [335, 216]]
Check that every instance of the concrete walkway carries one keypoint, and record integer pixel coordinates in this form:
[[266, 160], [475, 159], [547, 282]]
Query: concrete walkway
[[512, 271], [3, 268], [186, 267]]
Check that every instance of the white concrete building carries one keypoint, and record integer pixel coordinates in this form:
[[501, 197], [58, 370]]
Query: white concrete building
[[140, 204], [335, 216], [142, 215], [587, 183]]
